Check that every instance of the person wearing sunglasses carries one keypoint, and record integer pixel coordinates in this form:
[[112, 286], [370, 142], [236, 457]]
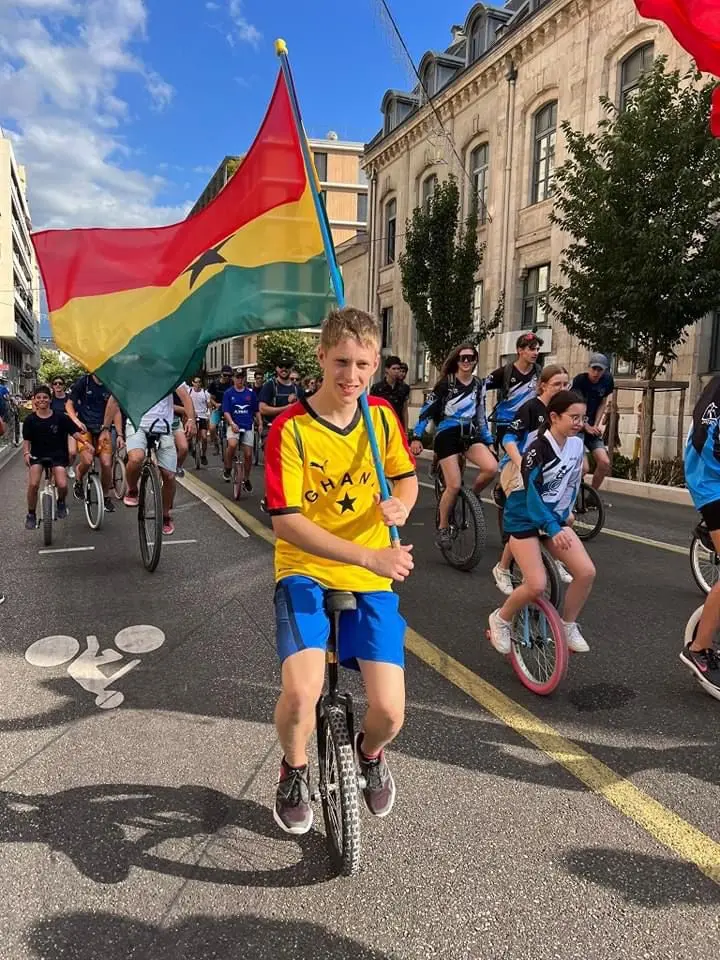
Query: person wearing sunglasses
[[278, 393], [58, 403], [516, 383], [457, 408]]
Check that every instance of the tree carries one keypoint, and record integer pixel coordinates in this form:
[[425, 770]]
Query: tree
[[640, 199], [51, 366], [272, 347], [438, 270]]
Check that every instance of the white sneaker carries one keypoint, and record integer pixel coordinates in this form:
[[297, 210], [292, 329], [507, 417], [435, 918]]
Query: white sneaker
[[503, 579], [575, 640], [71, 472], [500, 633], [564, 573]]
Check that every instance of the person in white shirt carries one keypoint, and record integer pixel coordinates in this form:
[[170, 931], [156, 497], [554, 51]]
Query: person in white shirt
[[158, 419], [201, 402]]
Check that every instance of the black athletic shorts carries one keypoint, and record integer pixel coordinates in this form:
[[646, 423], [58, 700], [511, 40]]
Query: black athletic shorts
[[452, 442], [711, 515]]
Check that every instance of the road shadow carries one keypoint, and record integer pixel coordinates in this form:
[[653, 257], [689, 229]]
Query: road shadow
[[87, 936], [190, 832], [641, 879]]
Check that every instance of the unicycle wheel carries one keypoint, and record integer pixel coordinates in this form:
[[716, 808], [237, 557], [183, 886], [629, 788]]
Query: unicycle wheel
[[339, 789]]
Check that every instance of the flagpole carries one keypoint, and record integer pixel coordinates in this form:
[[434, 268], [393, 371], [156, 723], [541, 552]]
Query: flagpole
[[336, 278]]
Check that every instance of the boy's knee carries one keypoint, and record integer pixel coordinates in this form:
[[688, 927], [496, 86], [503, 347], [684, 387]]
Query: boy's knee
[[389, 716], [300, 698]]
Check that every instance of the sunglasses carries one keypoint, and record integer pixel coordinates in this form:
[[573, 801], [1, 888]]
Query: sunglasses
[[58, 383], [467, 358]]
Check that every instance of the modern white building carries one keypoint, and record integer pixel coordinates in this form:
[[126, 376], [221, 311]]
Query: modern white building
[[19, 277]]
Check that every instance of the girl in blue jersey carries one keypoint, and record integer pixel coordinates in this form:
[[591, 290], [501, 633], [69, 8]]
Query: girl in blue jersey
[[541, 506], [457, 407], [530, 419]]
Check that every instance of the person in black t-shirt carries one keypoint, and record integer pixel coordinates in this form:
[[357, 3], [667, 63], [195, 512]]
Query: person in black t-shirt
[[596, 387], [277, 394], [393, 389], [45, 437], [58, 403]]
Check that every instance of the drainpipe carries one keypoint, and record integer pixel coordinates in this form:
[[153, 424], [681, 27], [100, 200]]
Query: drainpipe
[[505, 260], [372, 254]]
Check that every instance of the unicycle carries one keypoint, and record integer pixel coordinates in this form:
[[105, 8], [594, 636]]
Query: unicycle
[[466, 523], [690, 631], [589, 513], [553, 583], [704, 561], [339, 782]]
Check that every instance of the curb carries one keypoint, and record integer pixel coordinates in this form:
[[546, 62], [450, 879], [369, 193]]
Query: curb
[[7, 452], [630, 488]]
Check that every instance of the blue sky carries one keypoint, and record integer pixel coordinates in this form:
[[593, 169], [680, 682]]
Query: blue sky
[[122, 108]]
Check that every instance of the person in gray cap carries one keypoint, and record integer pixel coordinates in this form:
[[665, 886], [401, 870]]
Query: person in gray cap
[[596, 386]]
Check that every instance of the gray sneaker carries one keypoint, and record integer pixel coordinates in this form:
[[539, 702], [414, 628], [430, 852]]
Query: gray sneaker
[[443, 538], [379, 791], [293, 812]]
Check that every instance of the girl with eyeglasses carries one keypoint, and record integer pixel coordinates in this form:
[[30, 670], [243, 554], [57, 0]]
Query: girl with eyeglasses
[[457, 408], [58, 402], [540, 505]]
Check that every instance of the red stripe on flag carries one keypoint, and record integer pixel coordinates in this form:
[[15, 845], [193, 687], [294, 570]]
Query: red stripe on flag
[[694, 23], [90, 262]]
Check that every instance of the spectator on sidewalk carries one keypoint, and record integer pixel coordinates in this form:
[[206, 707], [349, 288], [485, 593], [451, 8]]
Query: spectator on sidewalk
[[393, 389]]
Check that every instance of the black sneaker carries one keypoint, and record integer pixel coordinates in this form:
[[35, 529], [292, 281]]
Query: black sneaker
[[203, 461], [248, 486], [227, 476], [62, 510], [180, 472], [292, 812], [109, 505], [78, 490], [705, 664], [379, 791], [31, 522]]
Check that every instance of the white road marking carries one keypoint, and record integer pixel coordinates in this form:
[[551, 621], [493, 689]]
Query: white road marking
[[52, 651], [618, 534], [169, 543], [141, 638], [66, 550], [216, 508]]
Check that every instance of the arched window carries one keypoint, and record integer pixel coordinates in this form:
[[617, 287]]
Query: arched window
[[429, 186], [544, 137], [479, 167], [429, 78], [631, 70], [476, 41]]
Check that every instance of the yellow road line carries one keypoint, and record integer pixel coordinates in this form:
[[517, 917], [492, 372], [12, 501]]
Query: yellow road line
[[662, 824], [245, 518]]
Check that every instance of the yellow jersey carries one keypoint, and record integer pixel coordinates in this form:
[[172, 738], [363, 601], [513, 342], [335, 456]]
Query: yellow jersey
[[327, 474]]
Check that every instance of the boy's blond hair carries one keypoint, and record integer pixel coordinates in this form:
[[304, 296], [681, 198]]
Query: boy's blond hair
[[349, 322]]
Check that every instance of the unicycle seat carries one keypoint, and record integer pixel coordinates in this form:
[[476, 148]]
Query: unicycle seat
[[337, 601]]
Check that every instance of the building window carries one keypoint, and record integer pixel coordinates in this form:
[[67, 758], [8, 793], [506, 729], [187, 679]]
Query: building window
[[714, 364], [544, 136], [476, 44], [422, 362], [477, 306], [387, 322], [390, 230], [535, 304], [479, 165], [631, 70], [428, 79], [428, 190], [362, 208], [321, 166]]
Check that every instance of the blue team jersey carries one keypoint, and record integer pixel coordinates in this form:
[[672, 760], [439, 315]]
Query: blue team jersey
[[521, 387], [702, 451], [455, 405], [242, 405], [551, 476]]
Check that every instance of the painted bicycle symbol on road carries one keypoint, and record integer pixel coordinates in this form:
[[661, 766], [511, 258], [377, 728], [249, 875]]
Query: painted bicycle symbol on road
[[85, 668]]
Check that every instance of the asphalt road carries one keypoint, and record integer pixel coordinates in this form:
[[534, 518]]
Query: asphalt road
[[144, 830]]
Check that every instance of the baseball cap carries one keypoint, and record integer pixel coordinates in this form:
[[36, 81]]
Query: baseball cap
[[599, 360], [285, 361], [528, 340], [226, 369]]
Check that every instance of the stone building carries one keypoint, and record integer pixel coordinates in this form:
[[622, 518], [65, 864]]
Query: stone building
[[502, 88]]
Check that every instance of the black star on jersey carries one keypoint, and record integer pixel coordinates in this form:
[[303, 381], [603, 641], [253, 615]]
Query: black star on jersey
[[207, 259], [347, 503]]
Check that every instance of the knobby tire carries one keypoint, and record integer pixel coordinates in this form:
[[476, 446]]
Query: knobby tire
[[47, 518], [339, 790]]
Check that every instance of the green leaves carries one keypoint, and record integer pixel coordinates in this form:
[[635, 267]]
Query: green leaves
[[438, 268], [271, 347], [639, 200], [52, 366]]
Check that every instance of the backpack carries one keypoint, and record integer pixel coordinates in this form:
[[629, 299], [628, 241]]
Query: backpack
[[507, 377]]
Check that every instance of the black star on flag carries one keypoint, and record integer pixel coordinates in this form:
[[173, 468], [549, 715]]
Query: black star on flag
[[207, 259], [347, 503]]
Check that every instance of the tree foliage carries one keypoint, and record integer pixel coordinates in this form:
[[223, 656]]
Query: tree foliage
[[302, 347], [51, 366], [438, 268], [640, 199]]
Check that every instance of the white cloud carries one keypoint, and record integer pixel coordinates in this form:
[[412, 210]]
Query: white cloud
[[60, 64], [244, 30]]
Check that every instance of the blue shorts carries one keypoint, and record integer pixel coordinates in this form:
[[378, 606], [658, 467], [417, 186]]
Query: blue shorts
[[374, 631], [215, 417]]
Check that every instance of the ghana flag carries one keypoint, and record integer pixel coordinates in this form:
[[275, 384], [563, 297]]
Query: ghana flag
[[139, 306]]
